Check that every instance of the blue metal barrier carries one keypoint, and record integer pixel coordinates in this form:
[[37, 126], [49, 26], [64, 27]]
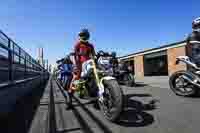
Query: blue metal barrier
[[15, 63]]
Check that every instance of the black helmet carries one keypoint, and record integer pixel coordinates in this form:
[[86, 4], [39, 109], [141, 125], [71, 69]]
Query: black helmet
[[101, 53], [67, 59], [84, 35], [196, 24], [114, 54]]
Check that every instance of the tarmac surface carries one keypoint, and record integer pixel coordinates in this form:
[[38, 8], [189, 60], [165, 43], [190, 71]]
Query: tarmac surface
[[147, 110]]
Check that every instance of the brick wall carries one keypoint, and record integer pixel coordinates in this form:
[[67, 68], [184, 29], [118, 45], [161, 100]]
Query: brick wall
[[172, 54], [139, 67]]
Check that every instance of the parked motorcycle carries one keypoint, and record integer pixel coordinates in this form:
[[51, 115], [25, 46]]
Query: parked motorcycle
[[185, 82], [97, 77], [122, 72], [124, 75]]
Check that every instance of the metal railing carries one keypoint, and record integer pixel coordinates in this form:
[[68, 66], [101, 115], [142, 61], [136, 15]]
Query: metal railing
[[15, 63]]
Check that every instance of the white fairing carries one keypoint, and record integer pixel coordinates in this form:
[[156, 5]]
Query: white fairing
[[59, 74], [86, 67], [101, 89], [103, 61]]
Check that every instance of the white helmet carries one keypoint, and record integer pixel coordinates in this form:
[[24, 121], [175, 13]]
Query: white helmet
[[196, 24]]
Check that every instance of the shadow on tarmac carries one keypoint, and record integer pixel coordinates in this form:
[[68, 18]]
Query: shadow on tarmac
[[140, 84], [128, 96], [134, 114], [69, 130], [101, 125], [20, 119], [85, 127]]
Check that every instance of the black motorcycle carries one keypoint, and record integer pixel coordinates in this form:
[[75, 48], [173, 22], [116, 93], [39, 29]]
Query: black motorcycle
[[185, 82], [122, 72], [124, 75]]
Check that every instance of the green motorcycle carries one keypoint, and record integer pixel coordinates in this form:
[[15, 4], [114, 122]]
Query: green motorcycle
[[97, 81]]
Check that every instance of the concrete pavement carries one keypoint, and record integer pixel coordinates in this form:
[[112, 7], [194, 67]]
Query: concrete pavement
[[169, 113], [155, 81]]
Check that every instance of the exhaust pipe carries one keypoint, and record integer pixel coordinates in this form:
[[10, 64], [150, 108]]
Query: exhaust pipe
[[194, 82]]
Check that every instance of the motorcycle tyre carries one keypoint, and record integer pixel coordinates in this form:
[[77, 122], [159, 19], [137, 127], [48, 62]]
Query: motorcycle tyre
[[117, 96], [173, 78]]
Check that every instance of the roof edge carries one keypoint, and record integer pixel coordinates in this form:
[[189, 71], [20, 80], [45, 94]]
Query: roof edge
[[152, 49]]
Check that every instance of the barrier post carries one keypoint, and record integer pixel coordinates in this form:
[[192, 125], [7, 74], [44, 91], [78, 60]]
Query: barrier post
[[10, 58]]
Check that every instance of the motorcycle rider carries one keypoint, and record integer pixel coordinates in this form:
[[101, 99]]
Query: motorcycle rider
[[84, 50], [114, 59], [67, 71], [193, 42], [60, 69]]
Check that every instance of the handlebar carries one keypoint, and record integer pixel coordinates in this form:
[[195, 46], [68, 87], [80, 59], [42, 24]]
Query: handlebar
[[99, 53], [102, 53]]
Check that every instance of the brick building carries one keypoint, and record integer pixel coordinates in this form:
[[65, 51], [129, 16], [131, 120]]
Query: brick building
[[158, 61]]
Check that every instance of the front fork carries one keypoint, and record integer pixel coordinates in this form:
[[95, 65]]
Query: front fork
[[101, 91], [101, 87], [98, 82]]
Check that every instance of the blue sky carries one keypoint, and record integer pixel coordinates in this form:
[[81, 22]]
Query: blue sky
[[125, 26]]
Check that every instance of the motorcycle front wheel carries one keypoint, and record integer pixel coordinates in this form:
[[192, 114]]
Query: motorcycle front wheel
[[112, 105], [180, 86]]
